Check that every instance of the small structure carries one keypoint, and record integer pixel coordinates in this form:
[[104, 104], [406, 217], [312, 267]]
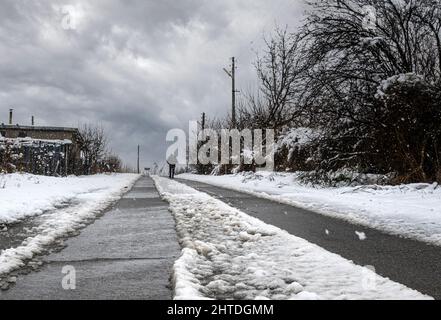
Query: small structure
[[40, 150]]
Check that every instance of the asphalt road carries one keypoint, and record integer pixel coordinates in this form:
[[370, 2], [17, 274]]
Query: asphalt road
[[412, 263], [126, 254]]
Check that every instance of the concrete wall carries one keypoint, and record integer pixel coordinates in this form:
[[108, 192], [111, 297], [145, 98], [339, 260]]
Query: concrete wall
[[38, 134]]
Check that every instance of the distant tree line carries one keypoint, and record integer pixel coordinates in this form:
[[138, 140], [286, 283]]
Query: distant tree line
[[356, 88]]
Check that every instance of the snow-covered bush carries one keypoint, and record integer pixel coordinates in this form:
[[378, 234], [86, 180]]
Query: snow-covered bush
[[295, 147], [408, 133], [344, 178]]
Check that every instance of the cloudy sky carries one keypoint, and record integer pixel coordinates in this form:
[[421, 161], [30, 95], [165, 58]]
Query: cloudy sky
[[136, 67]]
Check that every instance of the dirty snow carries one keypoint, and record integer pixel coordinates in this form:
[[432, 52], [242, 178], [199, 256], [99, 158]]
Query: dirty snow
[[230, 255], [24, 195], [412, 211]]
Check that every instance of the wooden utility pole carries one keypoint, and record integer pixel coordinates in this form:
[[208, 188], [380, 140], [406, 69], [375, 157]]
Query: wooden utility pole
[[233, 104], [139, 147], [203, 121], [232, 75]]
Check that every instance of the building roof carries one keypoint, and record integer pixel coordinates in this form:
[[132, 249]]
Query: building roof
[[30, 141], [35, 128]]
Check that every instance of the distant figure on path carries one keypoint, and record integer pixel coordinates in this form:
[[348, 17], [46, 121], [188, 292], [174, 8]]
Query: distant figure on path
[[172, 161]]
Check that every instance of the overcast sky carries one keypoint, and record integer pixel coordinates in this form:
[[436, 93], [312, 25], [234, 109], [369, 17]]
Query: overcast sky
[[136, 67]]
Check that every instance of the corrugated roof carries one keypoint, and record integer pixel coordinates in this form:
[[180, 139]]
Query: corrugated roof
[[29, 141]]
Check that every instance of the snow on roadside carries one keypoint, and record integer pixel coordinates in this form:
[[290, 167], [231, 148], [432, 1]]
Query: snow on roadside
[[412, 211], [26, 195], [228, 254]]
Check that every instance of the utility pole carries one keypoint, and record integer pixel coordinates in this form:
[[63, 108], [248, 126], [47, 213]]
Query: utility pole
[[232, 75], [139, 147], [203, 121], [233, 104]]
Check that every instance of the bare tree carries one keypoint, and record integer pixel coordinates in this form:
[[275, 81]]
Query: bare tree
[[280, 72], [111, 163], [93, 147]]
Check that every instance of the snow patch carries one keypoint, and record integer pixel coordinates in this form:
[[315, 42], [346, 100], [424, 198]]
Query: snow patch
[[361, 235]]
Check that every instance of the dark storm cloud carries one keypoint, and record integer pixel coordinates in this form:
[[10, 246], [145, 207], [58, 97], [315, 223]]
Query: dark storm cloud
[[137, 67]]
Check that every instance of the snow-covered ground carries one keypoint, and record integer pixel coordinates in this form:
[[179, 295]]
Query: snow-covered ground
[[412, 211], [228, 254], [24, 195], [64, 203]]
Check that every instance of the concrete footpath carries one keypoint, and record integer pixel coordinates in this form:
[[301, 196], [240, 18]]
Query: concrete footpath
[[412, 263], [126, 254]]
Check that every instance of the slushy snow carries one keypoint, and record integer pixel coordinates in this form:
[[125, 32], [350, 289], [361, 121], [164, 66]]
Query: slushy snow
[[230, 255]]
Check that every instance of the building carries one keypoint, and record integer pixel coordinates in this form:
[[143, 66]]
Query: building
[[40, 150]]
